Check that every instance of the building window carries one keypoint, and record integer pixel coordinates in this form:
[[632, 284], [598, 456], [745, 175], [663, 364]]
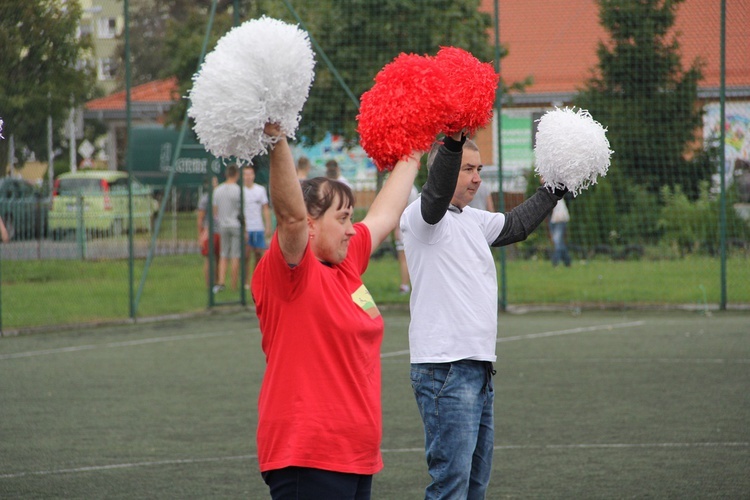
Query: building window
[[107, 68], [107, 27], [85, 28]]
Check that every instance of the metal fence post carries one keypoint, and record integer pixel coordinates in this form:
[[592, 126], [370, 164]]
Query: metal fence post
[[80, 227]]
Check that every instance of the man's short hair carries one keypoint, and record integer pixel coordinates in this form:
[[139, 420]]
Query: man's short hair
[[303, 163], [232, 170], [332, 169], [469, 144]]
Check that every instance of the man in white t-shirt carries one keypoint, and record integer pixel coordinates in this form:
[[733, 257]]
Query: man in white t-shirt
[[257, 219], [453, 329]]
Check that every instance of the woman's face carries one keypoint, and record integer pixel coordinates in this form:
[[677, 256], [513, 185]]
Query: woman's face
[[331, 232]]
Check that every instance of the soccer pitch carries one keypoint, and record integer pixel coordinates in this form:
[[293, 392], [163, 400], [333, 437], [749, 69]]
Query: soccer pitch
[[590, 405]]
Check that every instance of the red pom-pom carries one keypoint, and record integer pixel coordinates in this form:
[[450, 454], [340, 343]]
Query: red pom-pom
[[471, 90], [404, 111], [417, 97]]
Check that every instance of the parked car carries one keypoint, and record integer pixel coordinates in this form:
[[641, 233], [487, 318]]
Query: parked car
[[98, 201], [23, 209]]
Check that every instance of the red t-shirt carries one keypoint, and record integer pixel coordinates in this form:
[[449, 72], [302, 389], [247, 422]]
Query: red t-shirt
[[319, 404]]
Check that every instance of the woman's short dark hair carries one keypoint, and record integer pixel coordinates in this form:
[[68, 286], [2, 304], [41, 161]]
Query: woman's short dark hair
[[319, 193]]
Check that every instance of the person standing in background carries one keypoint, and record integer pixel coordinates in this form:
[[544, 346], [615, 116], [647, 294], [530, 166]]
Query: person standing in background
[[558, 224], [227, 210], [303, 168], [334, 172], [483, 199], [202, 226], [257, 219], [3, 231]]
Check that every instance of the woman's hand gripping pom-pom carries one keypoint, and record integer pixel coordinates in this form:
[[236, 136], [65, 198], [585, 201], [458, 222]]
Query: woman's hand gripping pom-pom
[[404, 111], [259, 72], [571, 150]]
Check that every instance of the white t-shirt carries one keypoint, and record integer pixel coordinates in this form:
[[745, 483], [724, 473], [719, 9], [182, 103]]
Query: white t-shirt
[[480, 197], [343, 180], [255, 199], [560, 213], [454, 284]]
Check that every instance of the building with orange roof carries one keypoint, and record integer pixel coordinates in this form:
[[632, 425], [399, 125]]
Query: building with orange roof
[[554, 43], [148, 105]]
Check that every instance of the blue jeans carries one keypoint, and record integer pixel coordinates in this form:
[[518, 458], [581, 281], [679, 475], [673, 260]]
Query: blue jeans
[[456, 404], [557, 230]]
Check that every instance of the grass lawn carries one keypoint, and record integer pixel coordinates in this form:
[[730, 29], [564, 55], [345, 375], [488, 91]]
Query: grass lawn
[[599, 282], [57, 292]]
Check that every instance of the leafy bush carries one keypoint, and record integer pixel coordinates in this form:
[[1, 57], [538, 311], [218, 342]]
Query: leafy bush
[[613, 214], [694, 226]]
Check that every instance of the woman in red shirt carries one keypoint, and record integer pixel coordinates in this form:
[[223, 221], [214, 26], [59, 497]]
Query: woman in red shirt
[[320, 425]]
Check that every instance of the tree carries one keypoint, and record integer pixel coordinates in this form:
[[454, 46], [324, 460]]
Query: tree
[[361, 36], [39, 52], [167, 37], [358, 36], [152, 22], [648, 102]]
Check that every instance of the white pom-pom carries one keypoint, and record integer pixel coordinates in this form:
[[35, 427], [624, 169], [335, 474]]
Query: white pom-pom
[[259, 72], [571, 150]]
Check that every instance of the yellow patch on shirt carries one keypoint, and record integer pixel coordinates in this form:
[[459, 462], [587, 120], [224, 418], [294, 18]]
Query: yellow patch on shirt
[[363, 299]]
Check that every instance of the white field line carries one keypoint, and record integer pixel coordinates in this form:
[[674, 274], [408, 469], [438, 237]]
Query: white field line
[[94, 468], [190, 461], [696, 361], [583, 329], [111, 345], [554, 333], [584, 446]]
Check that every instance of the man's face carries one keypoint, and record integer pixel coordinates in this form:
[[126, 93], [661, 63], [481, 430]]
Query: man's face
[[248, 176], [468, 178]]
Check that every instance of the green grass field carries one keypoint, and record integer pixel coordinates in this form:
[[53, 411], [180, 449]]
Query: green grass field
[[50, 293], [593, 405]]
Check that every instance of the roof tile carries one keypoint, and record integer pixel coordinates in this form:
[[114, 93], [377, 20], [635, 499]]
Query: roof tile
[[157, 91]]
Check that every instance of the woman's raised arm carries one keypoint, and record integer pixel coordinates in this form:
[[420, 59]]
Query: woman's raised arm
[[286, 199], [389, 204]]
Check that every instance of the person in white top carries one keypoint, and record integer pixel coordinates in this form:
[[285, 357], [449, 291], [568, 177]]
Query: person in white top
[[558, 223], [257, 219], [483, 199], [453, 329]]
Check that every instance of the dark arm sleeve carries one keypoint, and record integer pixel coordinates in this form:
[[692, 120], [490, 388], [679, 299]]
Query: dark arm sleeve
[[437, 192], [522, 220]]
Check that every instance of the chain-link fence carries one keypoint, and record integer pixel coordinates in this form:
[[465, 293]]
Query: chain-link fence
[[675, 203]]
